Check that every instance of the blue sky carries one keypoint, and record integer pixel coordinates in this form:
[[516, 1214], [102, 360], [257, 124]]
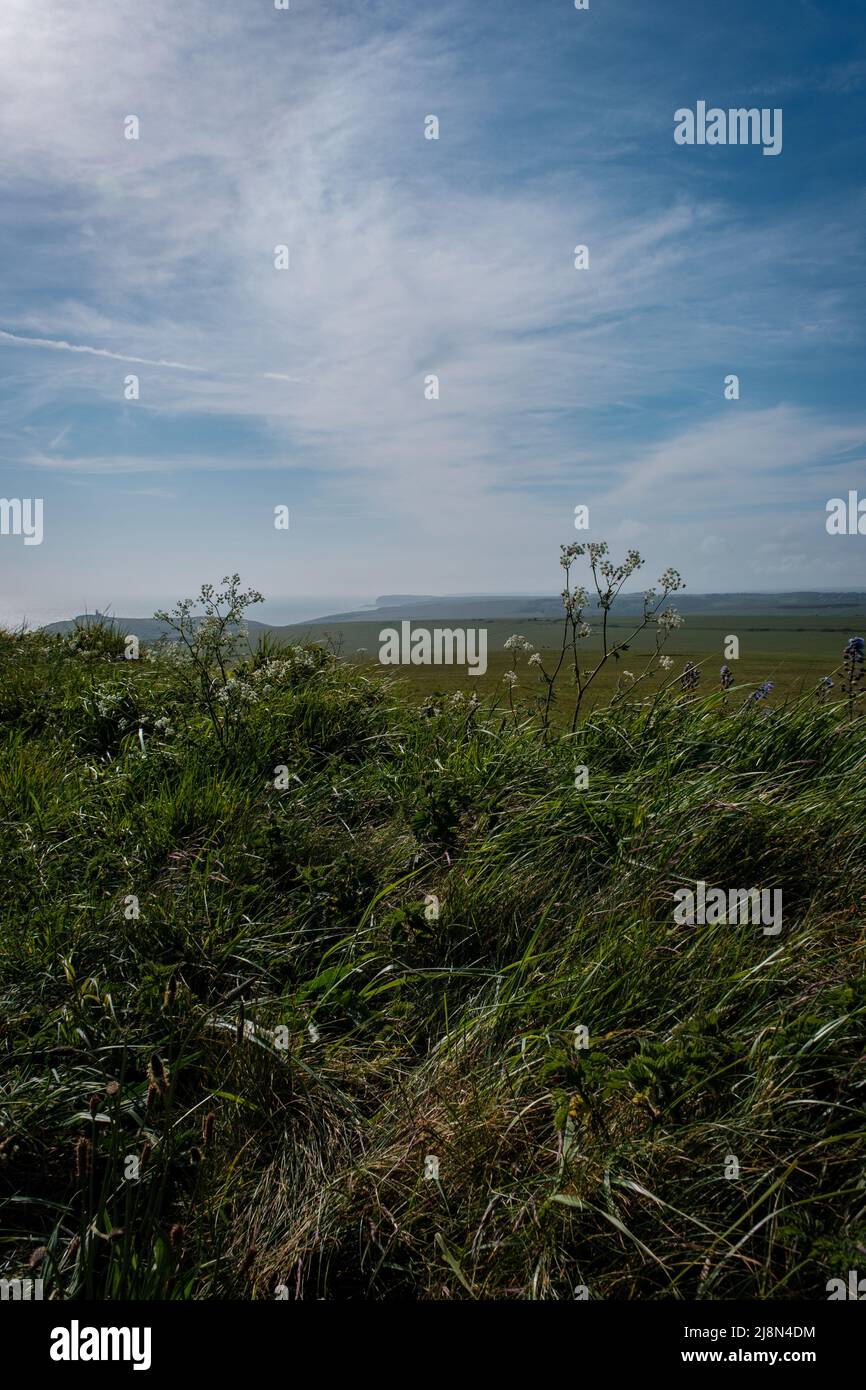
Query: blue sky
[[305, 387]]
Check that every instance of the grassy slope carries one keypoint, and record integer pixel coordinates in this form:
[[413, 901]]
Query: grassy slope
[[303, 910]]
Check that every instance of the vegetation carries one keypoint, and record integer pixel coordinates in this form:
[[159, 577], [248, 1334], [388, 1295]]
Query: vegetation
[[272, 937], [796, 653]]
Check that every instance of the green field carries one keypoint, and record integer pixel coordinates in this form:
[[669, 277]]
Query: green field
[[794, 650]]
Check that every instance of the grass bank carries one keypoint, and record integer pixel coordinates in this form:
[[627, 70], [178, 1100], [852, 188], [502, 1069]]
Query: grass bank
[[262, 962]]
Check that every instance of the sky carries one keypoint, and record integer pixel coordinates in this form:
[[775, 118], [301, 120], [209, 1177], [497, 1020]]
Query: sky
[[305, 388]]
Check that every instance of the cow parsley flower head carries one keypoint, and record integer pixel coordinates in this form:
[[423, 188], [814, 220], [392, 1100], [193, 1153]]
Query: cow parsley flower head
[[569, 553], [236, 692], [669, 618], [671, 580], [510, 678]]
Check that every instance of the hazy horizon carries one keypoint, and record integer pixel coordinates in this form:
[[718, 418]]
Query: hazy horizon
[[287, 611]]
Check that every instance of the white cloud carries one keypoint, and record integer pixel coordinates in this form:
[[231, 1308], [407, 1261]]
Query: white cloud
[[408, 257], [57, 345]]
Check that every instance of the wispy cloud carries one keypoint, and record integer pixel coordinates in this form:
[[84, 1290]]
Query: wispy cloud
[[411, 257], [58, 345], [59, 438]]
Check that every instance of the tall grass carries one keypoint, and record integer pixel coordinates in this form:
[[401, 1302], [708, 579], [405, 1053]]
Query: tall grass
[[234, 1027]]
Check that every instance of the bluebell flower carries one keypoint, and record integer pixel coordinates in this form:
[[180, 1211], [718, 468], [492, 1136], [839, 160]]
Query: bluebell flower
[[726, 677], [823, 688], [690, 676], [855, 671], [762, 691]]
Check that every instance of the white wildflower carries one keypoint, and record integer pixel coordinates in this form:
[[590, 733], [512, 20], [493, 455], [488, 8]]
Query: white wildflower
[[669, 619], [671, 580]]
